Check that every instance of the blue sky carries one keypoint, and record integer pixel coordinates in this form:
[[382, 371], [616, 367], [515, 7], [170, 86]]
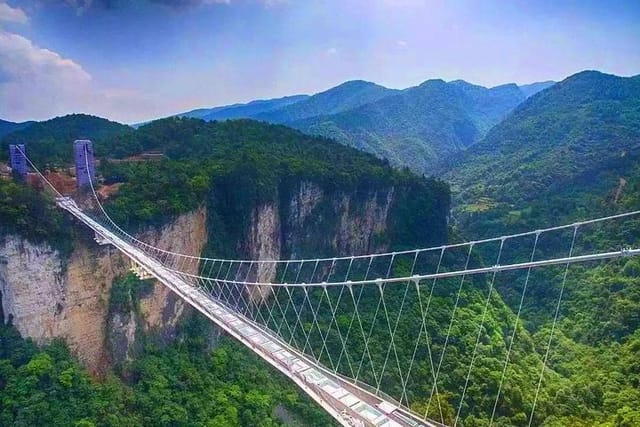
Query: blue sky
[[132, 60]]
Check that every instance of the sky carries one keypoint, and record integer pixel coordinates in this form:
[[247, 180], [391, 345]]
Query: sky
[[134, 60]]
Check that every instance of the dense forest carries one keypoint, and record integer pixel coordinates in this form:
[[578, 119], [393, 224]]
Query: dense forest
[[560, 154], [29, 213], [185, 384], [566, 154]]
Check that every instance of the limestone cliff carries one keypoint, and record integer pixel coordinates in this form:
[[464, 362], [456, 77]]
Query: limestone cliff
[[160, 309], [310, 220], [46, 296], [186, 235]]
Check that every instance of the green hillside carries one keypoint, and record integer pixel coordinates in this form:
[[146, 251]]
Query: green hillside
[[571, 143], [570, 152], [51, 140], [420, 125]]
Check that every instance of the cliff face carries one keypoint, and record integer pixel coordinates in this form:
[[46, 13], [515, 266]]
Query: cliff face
[[312, 222], [46, 296], [160, 309], [186, 235]]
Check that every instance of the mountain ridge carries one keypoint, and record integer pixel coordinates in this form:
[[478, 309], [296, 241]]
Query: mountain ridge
[[529, 90], [345, 96], [356, 113], [417, 126], [243, 110]]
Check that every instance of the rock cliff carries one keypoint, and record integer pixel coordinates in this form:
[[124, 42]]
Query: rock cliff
[[310, 221], [48, 296]]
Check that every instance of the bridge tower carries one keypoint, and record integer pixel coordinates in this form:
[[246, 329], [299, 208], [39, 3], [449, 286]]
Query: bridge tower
[[83, 156], [18, 162]]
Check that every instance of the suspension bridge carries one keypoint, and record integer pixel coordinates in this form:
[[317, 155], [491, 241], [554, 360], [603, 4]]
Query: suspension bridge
[[333, 325]]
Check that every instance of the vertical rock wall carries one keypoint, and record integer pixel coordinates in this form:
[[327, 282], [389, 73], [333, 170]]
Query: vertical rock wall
[[46, 296]]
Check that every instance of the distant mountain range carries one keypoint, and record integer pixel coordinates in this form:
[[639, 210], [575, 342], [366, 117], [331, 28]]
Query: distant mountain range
[[239, 111], [417, 126]]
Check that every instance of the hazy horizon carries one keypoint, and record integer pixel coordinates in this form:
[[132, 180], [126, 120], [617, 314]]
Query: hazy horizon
[[135, 61], [244, 102]]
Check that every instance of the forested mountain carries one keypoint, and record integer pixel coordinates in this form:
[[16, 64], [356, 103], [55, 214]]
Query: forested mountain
[[420, 125], [52, 139], [8, 127], [414, 127], [239, 111], [572, 141], [568, 153]]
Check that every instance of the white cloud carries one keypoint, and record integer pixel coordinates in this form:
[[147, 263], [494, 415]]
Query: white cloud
[[12, 14], [36, 82], [402, 44]]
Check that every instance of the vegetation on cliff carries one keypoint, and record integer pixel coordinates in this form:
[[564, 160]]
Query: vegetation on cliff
[[31, 214]]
